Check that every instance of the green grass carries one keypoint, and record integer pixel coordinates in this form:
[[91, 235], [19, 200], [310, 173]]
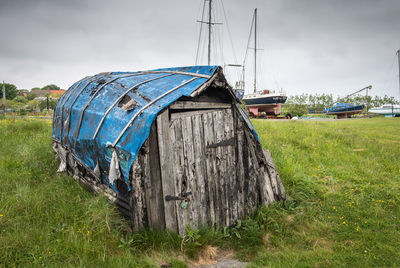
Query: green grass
[[342, 180], [49, 219]]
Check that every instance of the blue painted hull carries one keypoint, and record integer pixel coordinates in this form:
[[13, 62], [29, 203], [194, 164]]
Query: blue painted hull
[[92, 122], [346, 110], [265, 100]]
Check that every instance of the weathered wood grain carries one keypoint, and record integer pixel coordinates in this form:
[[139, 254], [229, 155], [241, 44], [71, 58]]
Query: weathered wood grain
[[185, 114], [209, 168], [201, 174], [182, 105], [205, 149], [166, 165], [230, 165], [137, 202], [240, 172], [177, 169], [221, 166], [231, 175], [274, 176], [181, 177], [153, 185], [191, 175]]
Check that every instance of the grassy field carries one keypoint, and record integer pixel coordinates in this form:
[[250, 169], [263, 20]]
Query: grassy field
[[342, 179]]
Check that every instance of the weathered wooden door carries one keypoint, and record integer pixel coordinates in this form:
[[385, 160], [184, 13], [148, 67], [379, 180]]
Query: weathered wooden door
[[197, 158]]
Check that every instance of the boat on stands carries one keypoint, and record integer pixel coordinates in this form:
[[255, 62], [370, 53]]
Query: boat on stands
[[344, 110], [388, 110], [263, 103]]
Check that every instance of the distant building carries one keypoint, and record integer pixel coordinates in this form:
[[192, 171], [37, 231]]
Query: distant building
[[54, 94], [22, 92], [58, 93]]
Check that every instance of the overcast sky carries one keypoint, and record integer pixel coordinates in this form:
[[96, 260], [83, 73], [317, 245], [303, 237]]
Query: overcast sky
[[309, 46]]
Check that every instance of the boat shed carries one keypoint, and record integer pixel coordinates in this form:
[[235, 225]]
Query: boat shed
[[171, 147]]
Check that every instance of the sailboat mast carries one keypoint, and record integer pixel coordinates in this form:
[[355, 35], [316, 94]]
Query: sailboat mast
[[209, 31], [398, 55], [255, 50]]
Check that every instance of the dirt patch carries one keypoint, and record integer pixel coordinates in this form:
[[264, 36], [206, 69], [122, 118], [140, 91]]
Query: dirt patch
[[207, 256], [211, 258]]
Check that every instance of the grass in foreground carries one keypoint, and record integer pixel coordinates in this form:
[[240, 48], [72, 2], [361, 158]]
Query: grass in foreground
[[342, 180]]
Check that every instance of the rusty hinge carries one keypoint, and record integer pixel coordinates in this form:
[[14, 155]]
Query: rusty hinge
[[228, 142]]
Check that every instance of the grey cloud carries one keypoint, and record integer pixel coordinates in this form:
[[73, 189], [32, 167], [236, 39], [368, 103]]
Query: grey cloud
[[309, 46]]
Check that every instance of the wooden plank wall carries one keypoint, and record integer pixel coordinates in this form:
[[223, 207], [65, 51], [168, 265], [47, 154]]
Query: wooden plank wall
[[211, 170], [202, 171], [166, 165]]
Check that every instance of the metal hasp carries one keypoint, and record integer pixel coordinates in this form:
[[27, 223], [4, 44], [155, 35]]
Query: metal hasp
[[171, 147]]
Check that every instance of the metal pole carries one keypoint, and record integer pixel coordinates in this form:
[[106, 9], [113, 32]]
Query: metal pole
[[367, 99], [209, 31], [4, 99], [255, 50], [392, 109], [244, 81], [398, 55], [47, 103]]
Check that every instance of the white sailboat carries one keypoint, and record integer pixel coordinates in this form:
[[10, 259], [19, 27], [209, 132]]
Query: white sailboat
[[389, 110], [262, 103]]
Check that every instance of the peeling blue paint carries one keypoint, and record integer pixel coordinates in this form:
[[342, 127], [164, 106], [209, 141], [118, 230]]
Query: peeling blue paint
[[89, 152]]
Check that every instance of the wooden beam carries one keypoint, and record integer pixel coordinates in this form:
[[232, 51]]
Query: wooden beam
[[191, 113], [166, 165], [274, 176], [153, 186], [181, 105]]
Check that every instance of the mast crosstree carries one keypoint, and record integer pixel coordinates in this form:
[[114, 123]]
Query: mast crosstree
[[210, 24]]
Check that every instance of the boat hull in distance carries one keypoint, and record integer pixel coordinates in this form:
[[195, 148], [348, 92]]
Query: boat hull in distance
[[344, 110], [388, 110]]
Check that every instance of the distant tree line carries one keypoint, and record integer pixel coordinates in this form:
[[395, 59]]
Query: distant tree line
[[302, 104], [18, 102], [48, 87]]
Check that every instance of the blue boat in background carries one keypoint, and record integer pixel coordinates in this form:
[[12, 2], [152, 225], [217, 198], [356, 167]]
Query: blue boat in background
[[344, 110]]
